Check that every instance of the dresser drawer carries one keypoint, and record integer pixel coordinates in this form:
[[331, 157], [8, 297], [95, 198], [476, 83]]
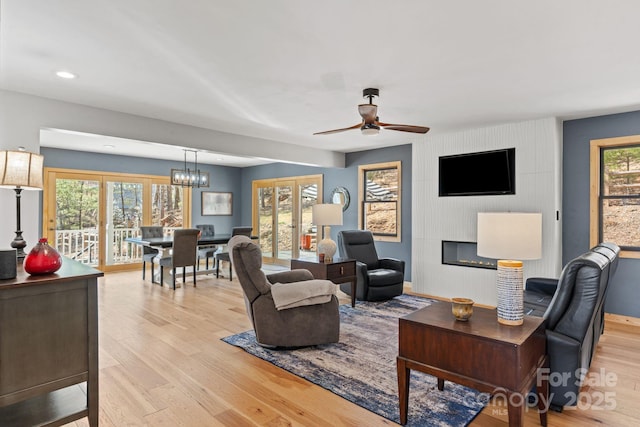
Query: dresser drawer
[[343, 269]]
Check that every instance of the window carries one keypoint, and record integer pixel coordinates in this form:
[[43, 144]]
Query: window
[[615, 193], [88, 215], [379, 193], [282, 217]]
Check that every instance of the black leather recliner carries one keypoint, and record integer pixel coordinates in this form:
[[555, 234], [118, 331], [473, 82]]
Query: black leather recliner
[[612, 252], [377, 278], [574, 317]]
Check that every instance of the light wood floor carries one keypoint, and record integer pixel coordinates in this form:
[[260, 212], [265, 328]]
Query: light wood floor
[[162, 363]]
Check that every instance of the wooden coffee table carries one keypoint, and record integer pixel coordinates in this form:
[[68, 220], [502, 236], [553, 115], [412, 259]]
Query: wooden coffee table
[[340, 270], [480, 353]]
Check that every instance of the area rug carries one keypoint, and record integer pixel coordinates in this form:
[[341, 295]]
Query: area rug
[[362, 366]]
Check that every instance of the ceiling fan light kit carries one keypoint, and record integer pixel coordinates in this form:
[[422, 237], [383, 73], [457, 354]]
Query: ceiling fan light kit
[[370, 129], [370, 124]]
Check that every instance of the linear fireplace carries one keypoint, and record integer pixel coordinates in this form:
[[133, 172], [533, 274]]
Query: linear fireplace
[[464, 254]]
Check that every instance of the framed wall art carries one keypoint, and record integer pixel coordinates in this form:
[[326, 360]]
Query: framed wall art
[[215, 203]]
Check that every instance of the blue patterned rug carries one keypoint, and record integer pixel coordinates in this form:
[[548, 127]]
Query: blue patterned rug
[[362, 366]]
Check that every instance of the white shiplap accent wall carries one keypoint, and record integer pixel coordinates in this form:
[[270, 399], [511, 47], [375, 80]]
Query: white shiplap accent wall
[[538, 146]]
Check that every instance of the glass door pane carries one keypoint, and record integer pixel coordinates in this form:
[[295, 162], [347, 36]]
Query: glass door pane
[[74, 225], [167, 206], [307, 231], [264, 204], [285, 222], [282, 219], [124, 214], [89, 215]]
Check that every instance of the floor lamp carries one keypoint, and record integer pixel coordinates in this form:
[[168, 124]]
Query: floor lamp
[[326, 215], [510, 237], [20, 170]]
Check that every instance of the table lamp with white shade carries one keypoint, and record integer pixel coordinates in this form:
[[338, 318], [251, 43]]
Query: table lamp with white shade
[[510, 237], [325, 215], [20, 170]]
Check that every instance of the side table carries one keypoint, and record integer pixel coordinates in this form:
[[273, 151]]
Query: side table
[[480, 353], [340, 270]]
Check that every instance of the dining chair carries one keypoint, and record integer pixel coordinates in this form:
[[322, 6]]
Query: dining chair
[[183, 254], [224, 256], [149, 253], [208, 251]]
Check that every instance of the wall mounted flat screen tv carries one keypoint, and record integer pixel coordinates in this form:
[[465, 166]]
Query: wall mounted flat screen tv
[[478, 174]]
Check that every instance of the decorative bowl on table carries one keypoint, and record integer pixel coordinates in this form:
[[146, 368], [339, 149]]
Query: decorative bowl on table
[[462, 308]]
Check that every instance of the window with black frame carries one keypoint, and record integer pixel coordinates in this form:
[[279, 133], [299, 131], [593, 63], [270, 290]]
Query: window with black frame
[[619, 198], [380, 200]]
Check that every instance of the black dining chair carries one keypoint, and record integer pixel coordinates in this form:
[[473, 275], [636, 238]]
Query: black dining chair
[[149, 253], [183, 254], [224, 256], [208, 251]]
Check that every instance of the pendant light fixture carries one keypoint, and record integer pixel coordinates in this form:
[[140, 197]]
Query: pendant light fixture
[[190, 177]]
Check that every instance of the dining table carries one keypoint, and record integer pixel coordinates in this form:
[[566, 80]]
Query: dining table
[[164, 244]]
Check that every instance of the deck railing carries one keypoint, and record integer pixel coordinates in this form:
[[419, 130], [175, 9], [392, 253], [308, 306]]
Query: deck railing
[[83, 245]]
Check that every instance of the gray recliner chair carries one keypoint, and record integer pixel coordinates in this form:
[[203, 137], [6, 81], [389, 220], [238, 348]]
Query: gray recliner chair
[[311, 319], [378, 278]]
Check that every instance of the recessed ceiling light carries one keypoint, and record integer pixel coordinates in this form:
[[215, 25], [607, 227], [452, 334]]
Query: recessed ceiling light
[[65, 75], [109, 146]]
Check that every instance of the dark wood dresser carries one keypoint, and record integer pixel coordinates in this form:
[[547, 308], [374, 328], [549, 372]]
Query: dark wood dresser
[[49, 347]]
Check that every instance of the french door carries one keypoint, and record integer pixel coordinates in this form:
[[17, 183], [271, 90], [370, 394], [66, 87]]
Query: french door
[[89, 215], [282, 217]]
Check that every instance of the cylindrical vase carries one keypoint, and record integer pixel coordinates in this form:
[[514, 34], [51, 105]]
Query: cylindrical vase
[[8, 264]]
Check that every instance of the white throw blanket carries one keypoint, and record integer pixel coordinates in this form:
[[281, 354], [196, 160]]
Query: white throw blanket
[[307, 292]]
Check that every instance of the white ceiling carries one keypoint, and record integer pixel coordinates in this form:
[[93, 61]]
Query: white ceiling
[[283, 69]]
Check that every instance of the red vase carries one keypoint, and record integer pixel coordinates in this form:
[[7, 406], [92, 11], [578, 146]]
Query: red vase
[[43, 259]]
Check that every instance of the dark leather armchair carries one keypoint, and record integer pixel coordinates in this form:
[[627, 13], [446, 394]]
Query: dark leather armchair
[[314, 319], [612, 252], [208, 251], [185, 242], [149, 253], [574, 317], [377, 278]]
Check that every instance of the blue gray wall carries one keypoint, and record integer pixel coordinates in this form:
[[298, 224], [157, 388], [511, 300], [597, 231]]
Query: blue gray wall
[[225, 179], [625, 286], [238, 181], [348, 178]]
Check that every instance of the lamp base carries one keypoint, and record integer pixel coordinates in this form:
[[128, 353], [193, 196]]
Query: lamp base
[[510, 306], [327, 247], [18, 243]]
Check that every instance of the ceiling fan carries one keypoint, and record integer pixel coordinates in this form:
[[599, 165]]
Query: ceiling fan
[[370, 124]]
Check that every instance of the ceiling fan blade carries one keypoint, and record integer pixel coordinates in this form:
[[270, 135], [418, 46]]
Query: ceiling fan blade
[[404, 128], [327, 132], [369, 112]]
